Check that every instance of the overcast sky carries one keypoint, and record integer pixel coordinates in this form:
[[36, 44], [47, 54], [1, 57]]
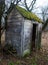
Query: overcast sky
[[42, 2], [39, 3]]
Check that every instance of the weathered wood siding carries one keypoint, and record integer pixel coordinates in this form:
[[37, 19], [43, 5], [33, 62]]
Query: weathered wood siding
[[19, 32], [14, 28], [26, 37]]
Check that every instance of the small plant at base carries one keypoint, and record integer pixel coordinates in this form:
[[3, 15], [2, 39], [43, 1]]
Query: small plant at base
[[17, 62], [10, 63], [33, 61]]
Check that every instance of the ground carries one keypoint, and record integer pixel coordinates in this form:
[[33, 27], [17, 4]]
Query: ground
[[36, 57], [44, 41]]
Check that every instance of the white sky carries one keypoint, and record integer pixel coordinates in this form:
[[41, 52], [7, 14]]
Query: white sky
[[39, 3], [42, 2]]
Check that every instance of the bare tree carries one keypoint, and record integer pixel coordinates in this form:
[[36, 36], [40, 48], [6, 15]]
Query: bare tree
[[12, 5], [4, 13], [31, 6], [44, 13], [2, 5], [8, 9], [2, 8], [45, 24], [28, 7]]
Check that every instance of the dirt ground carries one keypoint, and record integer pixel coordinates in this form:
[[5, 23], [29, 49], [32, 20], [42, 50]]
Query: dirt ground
[[35, 58], [44, 40]]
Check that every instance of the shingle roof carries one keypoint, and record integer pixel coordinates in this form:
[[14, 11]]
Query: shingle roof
[[28, 15]]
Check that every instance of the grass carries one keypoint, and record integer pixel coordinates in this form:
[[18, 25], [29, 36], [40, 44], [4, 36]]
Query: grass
[[35, 58]]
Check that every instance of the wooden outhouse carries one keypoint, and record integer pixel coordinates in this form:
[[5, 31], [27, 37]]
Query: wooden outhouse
[[23, 30]]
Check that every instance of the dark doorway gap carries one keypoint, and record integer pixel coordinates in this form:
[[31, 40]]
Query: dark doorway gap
[[33, 36]]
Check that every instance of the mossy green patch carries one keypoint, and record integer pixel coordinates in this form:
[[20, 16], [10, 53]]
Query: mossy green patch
[[26, 53], [28, 15], [18, 62], [11, 63]]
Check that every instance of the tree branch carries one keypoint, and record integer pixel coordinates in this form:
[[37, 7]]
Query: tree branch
[[45, 24], [26, 5], [32, 4], [30, 8]]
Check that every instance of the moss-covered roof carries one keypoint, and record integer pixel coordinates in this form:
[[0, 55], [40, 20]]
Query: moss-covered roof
[[28, 15]]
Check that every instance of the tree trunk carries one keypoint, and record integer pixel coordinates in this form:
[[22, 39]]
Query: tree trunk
[[2, 7], [0, 31]]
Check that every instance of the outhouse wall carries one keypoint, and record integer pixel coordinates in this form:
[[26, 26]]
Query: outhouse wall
[[13, 32], [26, 36], [18, 32]]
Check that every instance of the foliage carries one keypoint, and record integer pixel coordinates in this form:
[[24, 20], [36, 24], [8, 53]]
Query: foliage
[[17, 62], [26, 53], [28, 15], [33, 60], [10, 63]]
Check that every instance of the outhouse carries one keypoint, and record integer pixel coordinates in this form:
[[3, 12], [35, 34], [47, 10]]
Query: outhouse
[[23, 30]]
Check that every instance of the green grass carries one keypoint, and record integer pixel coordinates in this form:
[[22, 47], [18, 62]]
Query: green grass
[[11, 63]]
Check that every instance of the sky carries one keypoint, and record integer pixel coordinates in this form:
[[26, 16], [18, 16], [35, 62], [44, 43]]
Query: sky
[[42, 2], [39, 4]]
